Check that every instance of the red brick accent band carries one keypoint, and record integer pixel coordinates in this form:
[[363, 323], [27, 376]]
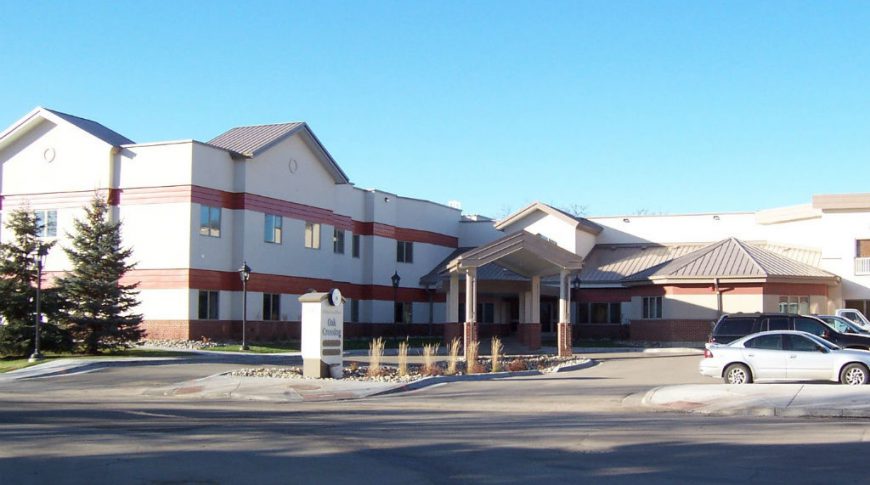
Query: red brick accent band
[[233, 201]]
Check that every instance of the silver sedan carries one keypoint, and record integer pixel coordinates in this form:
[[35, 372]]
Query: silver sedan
[[784, 355]]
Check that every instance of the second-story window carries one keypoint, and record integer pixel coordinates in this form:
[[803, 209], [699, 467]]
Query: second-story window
[[46, 222], [354, 246], [404, 251], [312, 235], [273, 229], [210, 221], [338, 241]]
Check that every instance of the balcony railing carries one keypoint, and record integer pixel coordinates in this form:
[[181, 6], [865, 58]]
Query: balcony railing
[[862, 266]]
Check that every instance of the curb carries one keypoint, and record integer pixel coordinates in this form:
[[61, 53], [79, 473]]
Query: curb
[[433, 380]]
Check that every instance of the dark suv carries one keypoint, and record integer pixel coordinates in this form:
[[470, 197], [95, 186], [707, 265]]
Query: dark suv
[[736, 325]]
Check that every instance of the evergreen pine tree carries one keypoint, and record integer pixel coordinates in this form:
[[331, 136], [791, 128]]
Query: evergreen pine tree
[[99, 312], [18, 291]]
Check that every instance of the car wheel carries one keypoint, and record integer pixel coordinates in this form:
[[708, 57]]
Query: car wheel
[[854, 375], [737, 374]]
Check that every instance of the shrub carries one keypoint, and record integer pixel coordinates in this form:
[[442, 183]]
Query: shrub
[[517, 365], [497, 351], [472, 366], [403, 358], [453, 351], [376, 353], [430, 368]]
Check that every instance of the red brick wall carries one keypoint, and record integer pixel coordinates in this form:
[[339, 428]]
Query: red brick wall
[[671, 330], [601, 331]]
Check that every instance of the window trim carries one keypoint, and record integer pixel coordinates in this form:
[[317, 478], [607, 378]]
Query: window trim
[[272, 303], [355, 245], [651, 307], [212, 305], [338, 240], [404, 251]]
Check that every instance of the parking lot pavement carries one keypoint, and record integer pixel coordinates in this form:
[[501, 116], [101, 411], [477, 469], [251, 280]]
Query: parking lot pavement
[[810, 399]]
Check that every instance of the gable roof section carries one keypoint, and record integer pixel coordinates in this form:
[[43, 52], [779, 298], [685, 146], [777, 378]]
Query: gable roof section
[[522, 253], [578, 222], [39, 114], [488, 272], [733, 259], [253, 140]]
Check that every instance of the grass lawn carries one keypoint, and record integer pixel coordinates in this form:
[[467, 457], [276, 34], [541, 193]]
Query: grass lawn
[[13, 363], [261, 347]]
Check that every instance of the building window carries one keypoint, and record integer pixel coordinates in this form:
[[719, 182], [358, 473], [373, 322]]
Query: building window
[[46, 223], [338, 241], [652, 307], [404, 252], [486, 313], [208, 305], [271, 306], [273, 229], [402, 312], [794, 304], [354, 310], [312, 235], [862, 248], [598, 312], [354, 246], [209, 221]]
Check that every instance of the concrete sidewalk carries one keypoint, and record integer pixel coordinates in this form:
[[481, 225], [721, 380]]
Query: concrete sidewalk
[[811, 399]]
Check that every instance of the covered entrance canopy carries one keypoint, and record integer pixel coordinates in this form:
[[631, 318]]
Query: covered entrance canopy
[[527, 255]]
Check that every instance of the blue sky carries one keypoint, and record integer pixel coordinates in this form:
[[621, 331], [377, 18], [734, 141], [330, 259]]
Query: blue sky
[[620, 107]]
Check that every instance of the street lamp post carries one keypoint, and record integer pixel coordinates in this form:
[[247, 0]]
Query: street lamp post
[[396, 279], [39, 259], [575, 284], [245, 275]]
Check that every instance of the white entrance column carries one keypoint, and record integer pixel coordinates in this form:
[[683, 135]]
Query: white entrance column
[[453, 299], [564, 326], [470, 326]]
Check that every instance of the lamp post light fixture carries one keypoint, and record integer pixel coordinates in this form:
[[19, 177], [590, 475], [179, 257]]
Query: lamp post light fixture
[[39, 259], [245, 275], [396, 279], [575, 285]]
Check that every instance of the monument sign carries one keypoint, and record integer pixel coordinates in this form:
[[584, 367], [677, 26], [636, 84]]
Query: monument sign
[[322, 334]]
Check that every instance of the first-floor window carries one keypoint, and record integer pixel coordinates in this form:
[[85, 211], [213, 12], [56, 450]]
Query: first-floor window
[[210, 221], [652, 307], [46, 223], [273, 229], [208, 305], [486, 313], [354, 310], [312, 235], [794, 304], [598, 312], [271, 306], [402, 312]]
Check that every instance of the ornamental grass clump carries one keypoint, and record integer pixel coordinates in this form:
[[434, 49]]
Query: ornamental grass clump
[[471, 364], [403, 358], [376, 353], [453, 356], [430, 368], [497, 351]]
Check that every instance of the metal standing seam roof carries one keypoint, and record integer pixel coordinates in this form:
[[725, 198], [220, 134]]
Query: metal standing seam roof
[[731, 258], [612, 263], [103, 133], [252, 139]]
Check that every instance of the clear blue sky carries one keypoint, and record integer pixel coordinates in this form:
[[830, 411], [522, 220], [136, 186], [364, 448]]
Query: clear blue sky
[[617, 106]]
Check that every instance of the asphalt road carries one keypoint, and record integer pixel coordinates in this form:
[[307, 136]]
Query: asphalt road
[[576, 427]]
